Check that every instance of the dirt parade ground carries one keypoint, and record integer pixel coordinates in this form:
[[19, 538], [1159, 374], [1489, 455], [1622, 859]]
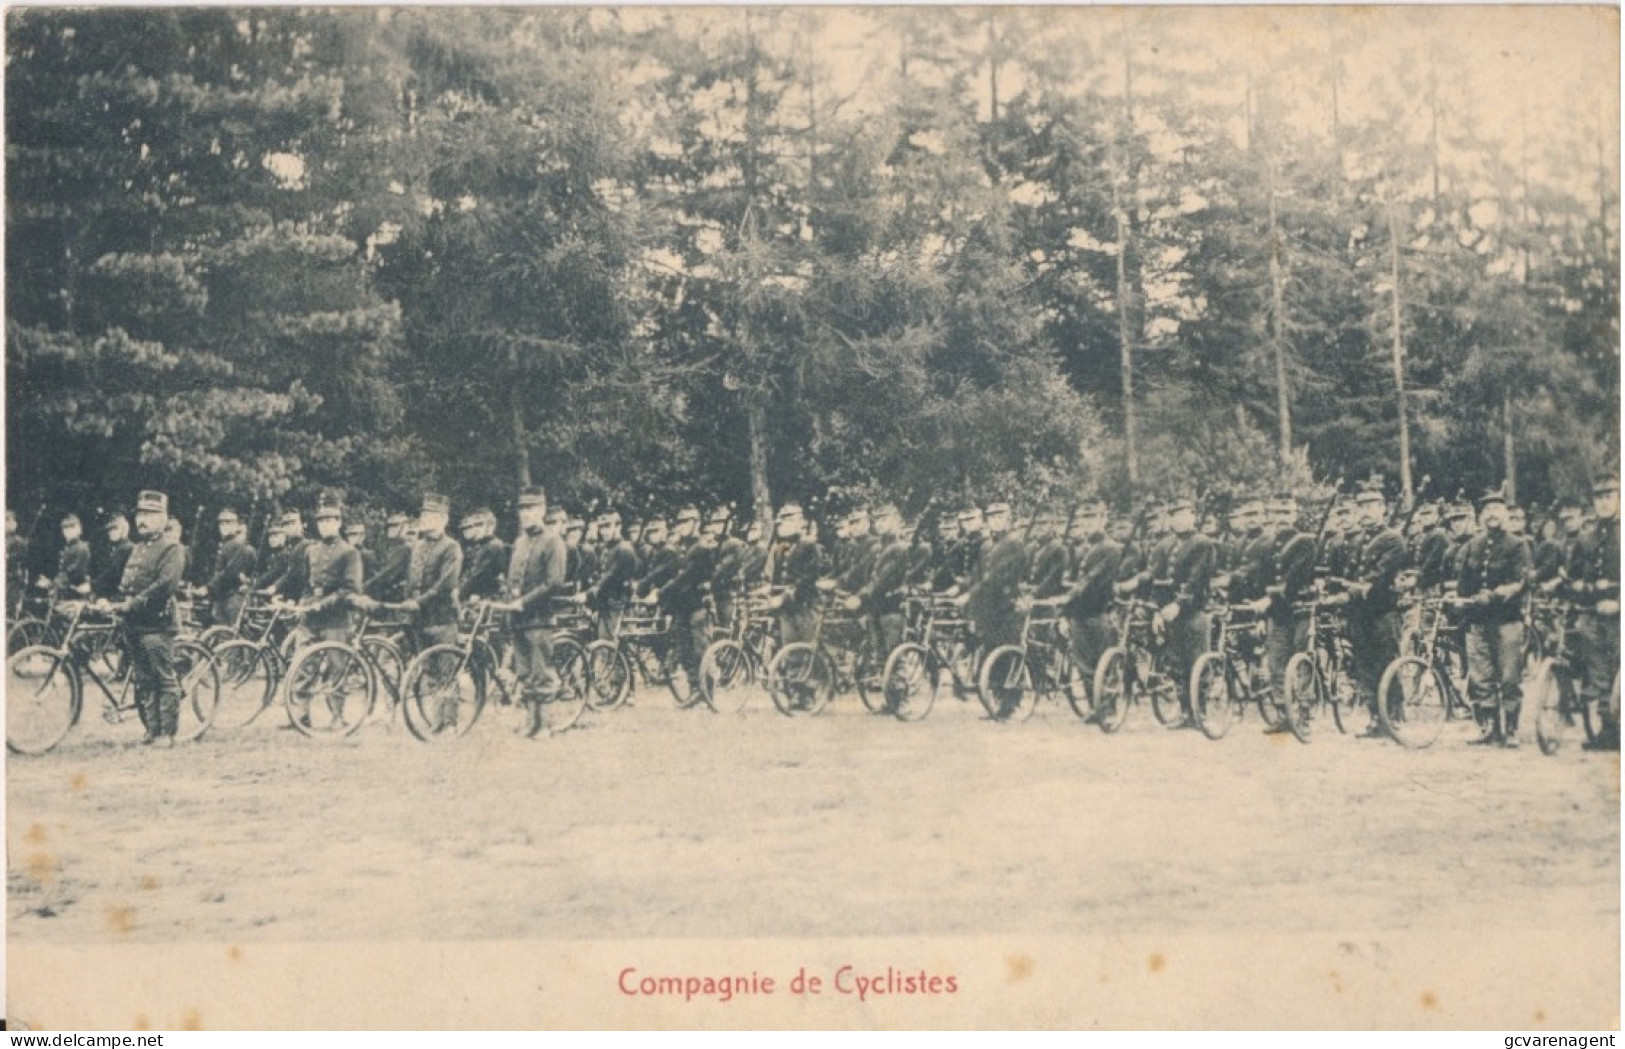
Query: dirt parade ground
[[651, 822]]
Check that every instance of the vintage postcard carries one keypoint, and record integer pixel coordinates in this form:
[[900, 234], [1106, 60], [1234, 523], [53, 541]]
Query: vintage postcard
[[812, 517]]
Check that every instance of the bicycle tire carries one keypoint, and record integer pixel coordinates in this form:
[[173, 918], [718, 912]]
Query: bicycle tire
[[1342, 696], [1004, 684], [561, 710], [389, 666], [248, 682], [216, 636], [199, 676], [1412, 703], [24, 633], [341, 678], [1112, 689], [870, 681], [43, 699], [801, 680], [609, 673], [1301, 692], [442, 694], [683, 689], [1165, 700], [727, 676], [1074, 685], [911, 682], [1554, 713], [1212, 698]]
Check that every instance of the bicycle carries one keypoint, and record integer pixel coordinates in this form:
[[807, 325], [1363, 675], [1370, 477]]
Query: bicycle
[[1232, 675], [936, 641], [252, 664], [642, 649], [45, 684], [443, 689], [805, 675], [1319, 676], [551, 713], [1422, 689], [1014, 679], [732, 666], [1132, 666]]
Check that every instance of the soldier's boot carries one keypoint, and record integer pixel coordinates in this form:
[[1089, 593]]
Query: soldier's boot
[[146, 708], [1514, 706], [169, 717]]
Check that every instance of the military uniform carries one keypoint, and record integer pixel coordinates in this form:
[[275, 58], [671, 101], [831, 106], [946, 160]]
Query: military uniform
[[536, 569], [1190, 571], [483, 566], [107, 567], [683, 598], [234, 564], [332, 576], [152, 575], [991, 597], [388, 583], [1373, 619], [617, 574], [1594, 575], [1291, 582], [1088, 606], [431, 581], [1052, 566], [880, 599], [1495, 570], [797, 566], [73, 570]]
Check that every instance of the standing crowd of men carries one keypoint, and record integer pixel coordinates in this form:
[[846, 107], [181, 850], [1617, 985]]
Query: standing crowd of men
[[697, 567]]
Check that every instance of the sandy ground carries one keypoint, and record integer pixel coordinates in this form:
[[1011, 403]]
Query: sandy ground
[[654, 822]]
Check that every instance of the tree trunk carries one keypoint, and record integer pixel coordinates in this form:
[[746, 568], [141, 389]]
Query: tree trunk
[[1283, 392], [1399, 361], [760, 495], [516, 408], [1509, 448], [1125, 341]]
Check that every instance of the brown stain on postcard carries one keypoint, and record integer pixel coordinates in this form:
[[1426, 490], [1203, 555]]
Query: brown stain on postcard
[[1156, 963], [1430, 1000], [121, 918], [1018, 967]]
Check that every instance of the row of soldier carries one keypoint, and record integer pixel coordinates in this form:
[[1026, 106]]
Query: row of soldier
[[1083, 560]]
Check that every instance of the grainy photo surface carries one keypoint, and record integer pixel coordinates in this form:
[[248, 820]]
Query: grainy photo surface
[[812, 517]]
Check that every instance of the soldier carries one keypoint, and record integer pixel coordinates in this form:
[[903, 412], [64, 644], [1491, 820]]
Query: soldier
[[274, 565], [1189, 574], [289, 584], [485, 558], [726, 584], [1088, 605], [1549, 553], [152, 575], [579, 570], [991, 596], [107, 564], [173, 530], [617, 574], [795, 565], [1290, 584], [663, 558], [861, 546], [1594, 586], [535, 576], [388, 583], [753, 562], [433, 575], [1052, 564], [330, 575], [1495, 571], [1428, 548], [72, 580], [1372, 574], [682, 595], [1252, 550], [355, 533], [940, 573], [1462, 525], [234, 564], [880, 599], [966, 554]]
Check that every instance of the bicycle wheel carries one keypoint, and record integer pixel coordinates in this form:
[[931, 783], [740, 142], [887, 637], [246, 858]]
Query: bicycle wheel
[[1412, 702], [684, 687], [910, 682], [1348, 710], [442, 694], [1211, 700], [1554, 711], [25, 632], [1005, 684], [1112, 689], [727, 676], [609, 673], [42, 699], [1166, 699], [247, 682], [1074, 685], [868, 674], [800, 680], [388, 667], [200, 690], [563, 707], [329, 690], [1301, 695]]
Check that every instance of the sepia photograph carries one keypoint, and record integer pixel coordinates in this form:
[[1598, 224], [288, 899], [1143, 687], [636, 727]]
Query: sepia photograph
[[791, 517]]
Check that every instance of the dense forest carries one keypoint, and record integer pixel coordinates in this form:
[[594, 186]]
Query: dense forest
[[749, 254]]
